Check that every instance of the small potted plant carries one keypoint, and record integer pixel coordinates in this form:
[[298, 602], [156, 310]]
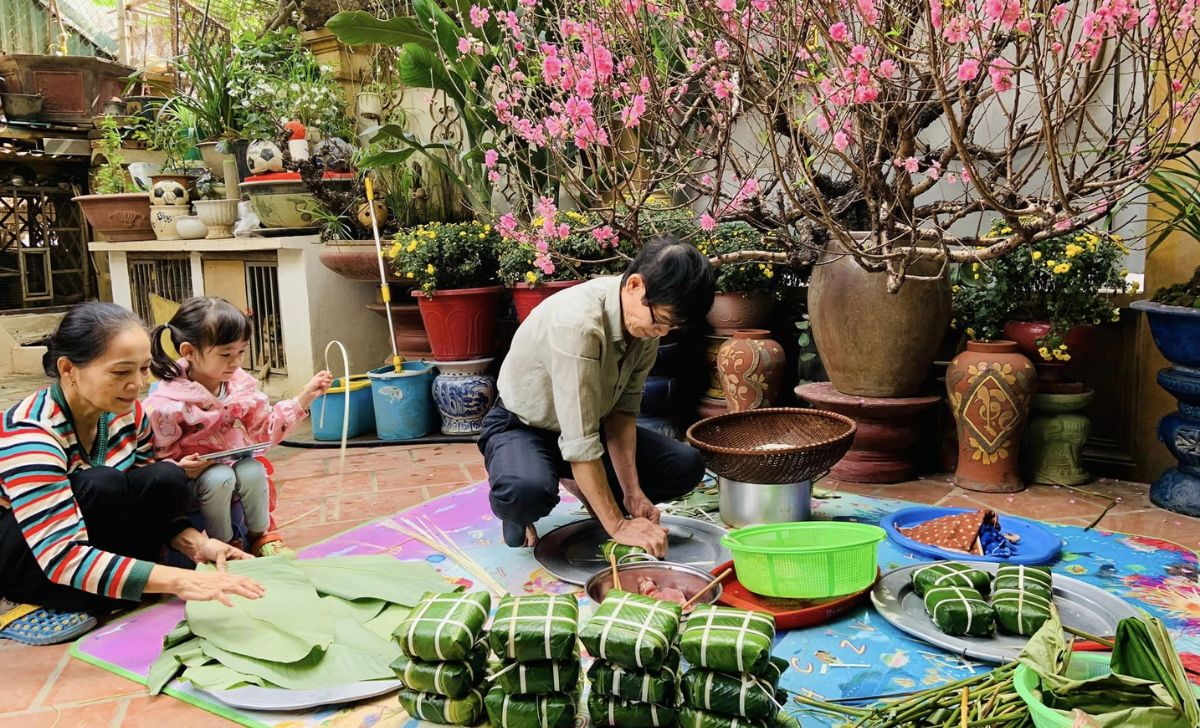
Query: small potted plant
[[1048, 299], [167, 132], [454, 268], [113, 210]]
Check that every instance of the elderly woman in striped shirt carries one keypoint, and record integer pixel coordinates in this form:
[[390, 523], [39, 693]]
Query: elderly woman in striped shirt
[[85, 511]]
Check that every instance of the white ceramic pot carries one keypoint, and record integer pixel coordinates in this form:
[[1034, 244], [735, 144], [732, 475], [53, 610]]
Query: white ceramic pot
[[189, 227], [218, 216], [164, 220]]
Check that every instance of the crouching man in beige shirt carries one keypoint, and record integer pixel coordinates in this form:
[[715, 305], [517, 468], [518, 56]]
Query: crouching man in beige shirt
[[569, 393]]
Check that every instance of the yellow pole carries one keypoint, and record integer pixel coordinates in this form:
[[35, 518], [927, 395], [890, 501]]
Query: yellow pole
[[384, 291]]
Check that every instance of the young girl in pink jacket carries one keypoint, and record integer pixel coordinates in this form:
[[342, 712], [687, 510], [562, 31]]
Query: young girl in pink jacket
[[206, 403]]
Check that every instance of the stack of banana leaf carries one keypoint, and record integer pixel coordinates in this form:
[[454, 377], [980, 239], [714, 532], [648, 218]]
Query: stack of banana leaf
[[536, 684], [632, 639], [444, 657], [322, 623], [733, 679]]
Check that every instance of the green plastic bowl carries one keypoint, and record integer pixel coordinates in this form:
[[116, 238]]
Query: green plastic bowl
[[809, 560]]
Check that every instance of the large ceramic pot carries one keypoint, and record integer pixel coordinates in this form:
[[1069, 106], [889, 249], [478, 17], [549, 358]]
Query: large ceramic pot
[[461, 323], [526, 297], [874, 343], [219, 216], [119, 218], [1079, 340], [356, 260], [733, 311], [990, 386], [1176, 332], [463, 392], [213, 158], [408, 330], [751, 366]]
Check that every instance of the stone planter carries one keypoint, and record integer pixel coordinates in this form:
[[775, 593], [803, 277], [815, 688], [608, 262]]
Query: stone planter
[[751, 367], [990, 386], [461, 323], [874, 343], [1176, 332], [733, 311], [463, 392], [218, 216], [1054, 439], [119, 218]]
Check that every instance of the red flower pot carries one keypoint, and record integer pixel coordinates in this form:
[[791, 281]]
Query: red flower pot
[[526, 298], [461, 322], [1079, 340]]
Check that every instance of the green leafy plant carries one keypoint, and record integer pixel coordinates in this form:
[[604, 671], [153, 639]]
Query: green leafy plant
[[590, 248], [167, 133], [741, 277], [1181, 294], [1065, 281], [110, 177], [1178, 190], [208, 70], [438, 256]]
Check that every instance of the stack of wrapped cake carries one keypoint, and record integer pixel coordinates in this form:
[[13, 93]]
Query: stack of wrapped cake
[[954, 598], [733, 678], [1022, 597], [445, 658], [535, 687], [632, 639]]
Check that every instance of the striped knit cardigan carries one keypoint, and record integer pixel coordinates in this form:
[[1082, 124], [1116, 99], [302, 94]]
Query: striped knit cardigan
[[38, 449]]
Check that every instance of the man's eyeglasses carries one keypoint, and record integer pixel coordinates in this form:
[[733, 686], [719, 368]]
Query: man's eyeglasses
[[654, 320]]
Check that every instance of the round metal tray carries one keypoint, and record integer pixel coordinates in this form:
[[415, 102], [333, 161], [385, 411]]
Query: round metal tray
[[277, 699], [1080, 605], [572, 552]]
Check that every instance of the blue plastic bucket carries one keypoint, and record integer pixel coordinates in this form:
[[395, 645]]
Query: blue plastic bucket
[[403, 400], [329, 408]]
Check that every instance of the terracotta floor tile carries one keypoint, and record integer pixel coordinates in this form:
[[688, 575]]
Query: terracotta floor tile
[[24, 671], [368, 506], [1047, 502], [81, 681], [300, 535], [466, 452], [163, 710], [919, 491], [98, 715], [293, 468], [325, 485], [1158, 524], [422, 474], [476, 471]]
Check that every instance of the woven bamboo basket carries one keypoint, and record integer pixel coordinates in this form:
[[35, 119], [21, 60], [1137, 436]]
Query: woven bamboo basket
[[773, 445]]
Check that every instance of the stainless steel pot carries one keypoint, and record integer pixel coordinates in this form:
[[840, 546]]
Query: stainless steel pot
[[750, 504], [687, 579]]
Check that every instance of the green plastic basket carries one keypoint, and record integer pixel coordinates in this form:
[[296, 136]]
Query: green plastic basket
[[1084, 666], [809, 560]]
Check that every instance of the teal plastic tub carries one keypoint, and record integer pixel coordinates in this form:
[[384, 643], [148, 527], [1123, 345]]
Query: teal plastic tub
[[403, 400], [329, 409]]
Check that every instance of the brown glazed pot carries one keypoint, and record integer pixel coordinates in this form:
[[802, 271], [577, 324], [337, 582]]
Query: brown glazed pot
[[356, 260], [733, 311], [119, 218], [751, 366], [874, 343], [990, 386]]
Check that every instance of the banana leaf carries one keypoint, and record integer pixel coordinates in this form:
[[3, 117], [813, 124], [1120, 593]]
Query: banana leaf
[[168, 664], [783, 720], [356, 654], [728, 640], [538, 678], [215, 676], [540, 627], [690, 717], [378, 576], [660, 686], [735, 695], [440, 709], [530, 711], [950, 573], [452, 679], [1030, 579], [611, 549], [180, 633], [360, 610], [444, 626], [1020, 612], [631, 630], [389, 620], [773, 671], [960, 611], [1117, 701], [610, 711], [1143, 649], [284, 625]]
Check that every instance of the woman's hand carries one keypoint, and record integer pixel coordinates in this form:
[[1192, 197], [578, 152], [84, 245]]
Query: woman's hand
[[193, 465], [217, 552], [316, 386], [205, 586]]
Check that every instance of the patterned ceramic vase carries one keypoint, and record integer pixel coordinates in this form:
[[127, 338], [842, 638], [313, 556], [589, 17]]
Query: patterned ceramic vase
[[751, 366], [990, 386], [463, 392]]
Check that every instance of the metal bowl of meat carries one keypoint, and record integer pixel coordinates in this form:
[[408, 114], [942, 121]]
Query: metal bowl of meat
[[658, 579]]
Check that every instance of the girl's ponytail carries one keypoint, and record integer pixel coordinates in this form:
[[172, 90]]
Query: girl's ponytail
[[161, 364]]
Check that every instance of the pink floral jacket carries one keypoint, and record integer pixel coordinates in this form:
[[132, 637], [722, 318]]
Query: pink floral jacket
[[187, 418]]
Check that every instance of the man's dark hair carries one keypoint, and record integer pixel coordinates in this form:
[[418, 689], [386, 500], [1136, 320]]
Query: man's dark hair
[[678, 277]]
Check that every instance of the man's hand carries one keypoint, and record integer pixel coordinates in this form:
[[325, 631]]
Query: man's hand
[[643, 533], [639, 506], [193, 465], [217, 552]]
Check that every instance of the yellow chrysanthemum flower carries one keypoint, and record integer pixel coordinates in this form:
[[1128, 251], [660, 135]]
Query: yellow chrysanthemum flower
[[430, 269], [1044, 352], [971, 332], [1062, 268], [531, 277], [1073, 250], [1036, 255]]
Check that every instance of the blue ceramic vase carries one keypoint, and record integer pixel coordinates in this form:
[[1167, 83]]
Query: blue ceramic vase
[[463, 392]]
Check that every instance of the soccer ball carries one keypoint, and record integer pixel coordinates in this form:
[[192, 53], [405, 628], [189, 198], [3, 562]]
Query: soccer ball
[[169, 193], [264, 157]]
